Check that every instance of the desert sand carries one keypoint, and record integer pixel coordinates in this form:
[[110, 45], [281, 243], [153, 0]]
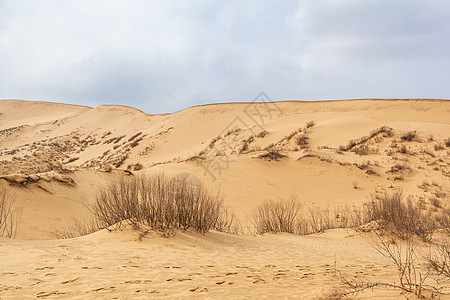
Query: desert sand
[[54, 157]]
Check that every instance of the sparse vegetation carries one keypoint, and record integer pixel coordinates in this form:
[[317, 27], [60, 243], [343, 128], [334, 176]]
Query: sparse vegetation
[[310, 124], [9, 220], [384, 130], [403, 217], [439, 147], [272, 155], [79, 227], [231, 131], [262, 134], [161, 202], [439, 261], [302, 141], [410, 136], [135, 167], [277, 216], [403, 149], [134, 136], [399, 167], [289, 216], [121, 160]]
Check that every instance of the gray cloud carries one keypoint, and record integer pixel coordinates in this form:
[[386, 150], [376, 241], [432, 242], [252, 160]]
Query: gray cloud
[[167, 55]]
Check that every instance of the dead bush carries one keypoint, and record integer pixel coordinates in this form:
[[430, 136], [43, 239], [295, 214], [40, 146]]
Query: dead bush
[[439, 260], [262, 134], [9, 220], [302, 141], [438, 147], [361, 150], [134, 136], [277, 216], [79, 227], [272, 155], [404, 256], [410, 136], [386, 131], [159, 201], [228, 223], [135, 167], [399, 167], [404, 216], [289, 216], [447, 142], [310, 124], [403, 149]]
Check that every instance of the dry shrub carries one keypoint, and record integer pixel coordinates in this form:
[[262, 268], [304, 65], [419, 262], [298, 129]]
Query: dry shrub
[[438, 147], [399, 167], [272, 155], [439, 260], [9, 220], [310, 124], [289, 216], [228, 223], [410, 136], [79, 227], [447, 142], [404, 216], [135, 167], [421, 280], [384, 130], [161, 202], [302, 141], [277, 216], [361, 150], [405, 258], [403, 149], [134, 136], [262, 134]]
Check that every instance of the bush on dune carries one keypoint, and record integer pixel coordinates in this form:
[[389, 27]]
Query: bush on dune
[[8, 218], [402, 214], [161, 202]]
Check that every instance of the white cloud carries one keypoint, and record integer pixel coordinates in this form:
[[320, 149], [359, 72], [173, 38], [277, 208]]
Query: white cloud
[[167, 55]]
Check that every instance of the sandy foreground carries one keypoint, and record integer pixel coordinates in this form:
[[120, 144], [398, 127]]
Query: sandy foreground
[[54, 157], [116, 265]]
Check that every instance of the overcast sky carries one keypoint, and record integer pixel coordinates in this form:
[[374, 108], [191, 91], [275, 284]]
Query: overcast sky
[[163, 56]]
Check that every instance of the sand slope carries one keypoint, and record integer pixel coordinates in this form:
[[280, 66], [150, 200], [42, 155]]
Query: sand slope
[[54, 157], [117, 266], [81, 143]]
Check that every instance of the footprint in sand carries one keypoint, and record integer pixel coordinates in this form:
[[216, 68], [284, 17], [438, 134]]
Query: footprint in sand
[[259, 280], [9, 287], [70, 280], [199, 290], [38, 281], [179, 279], [138, 281], [242, 267], [104, 289], [48, 294], [44, 268]]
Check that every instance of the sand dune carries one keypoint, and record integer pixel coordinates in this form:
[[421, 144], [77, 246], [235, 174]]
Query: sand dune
[[54, 157]]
